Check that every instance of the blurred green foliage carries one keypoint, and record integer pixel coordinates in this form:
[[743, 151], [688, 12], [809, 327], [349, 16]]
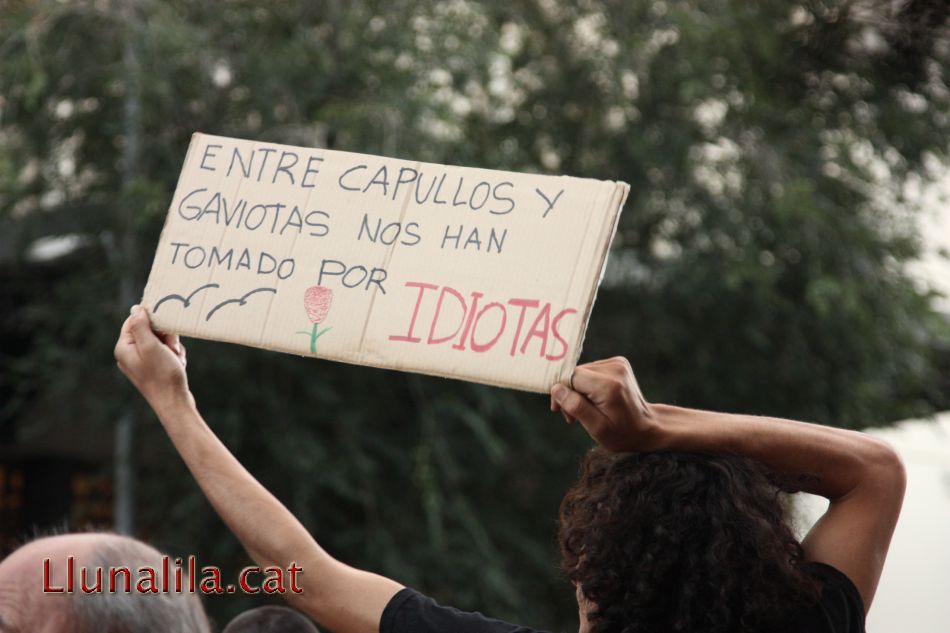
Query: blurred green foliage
[[773, 149]]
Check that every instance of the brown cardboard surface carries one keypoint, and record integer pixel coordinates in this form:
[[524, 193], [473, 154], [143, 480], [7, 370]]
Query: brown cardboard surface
[[459, 272]]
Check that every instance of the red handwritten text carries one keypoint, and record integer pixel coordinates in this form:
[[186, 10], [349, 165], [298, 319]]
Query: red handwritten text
[[443, 315]]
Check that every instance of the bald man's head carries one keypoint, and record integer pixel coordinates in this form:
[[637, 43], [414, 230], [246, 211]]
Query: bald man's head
[[25, 607]]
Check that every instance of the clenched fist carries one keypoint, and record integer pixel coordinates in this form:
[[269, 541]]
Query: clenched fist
[[154, 363], [605, 397]]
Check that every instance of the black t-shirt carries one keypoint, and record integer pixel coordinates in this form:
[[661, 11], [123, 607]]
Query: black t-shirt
[[840, 610]]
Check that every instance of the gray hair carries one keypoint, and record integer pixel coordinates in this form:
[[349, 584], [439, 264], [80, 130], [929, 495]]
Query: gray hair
[[271, 619], [134, 612]]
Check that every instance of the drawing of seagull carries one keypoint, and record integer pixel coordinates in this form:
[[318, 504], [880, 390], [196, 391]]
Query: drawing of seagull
[[240, 300], [186, 301]]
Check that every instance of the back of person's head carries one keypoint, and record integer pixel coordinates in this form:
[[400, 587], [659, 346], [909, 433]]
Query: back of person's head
[[48, 562], [134, 611], [270, 620], [681, 542]]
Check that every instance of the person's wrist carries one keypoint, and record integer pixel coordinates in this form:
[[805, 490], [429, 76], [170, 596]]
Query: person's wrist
[[655, 433], [171, 403]]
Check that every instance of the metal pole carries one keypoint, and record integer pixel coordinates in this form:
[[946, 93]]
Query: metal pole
[[124, 447]]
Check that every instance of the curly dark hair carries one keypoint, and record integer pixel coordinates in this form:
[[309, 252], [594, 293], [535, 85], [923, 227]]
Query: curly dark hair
[[663, 542]]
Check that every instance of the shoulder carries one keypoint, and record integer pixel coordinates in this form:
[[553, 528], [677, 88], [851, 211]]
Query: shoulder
[[839, 608], [412, 612]]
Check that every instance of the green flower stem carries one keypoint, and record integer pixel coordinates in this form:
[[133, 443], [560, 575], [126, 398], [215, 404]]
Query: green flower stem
[[314, 335]]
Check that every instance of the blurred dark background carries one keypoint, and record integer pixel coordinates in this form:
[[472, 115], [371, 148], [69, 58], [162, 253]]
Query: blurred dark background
[[776, 152]]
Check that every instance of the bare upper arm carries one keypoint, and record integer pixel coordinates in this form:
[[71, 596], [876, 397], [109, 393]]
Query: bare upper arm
[[346, 599], [854, 534]]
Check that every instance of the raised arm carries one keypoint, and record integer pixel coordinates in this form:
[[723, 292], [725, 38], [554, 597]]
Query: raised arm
[[862, 476], [339, 597]]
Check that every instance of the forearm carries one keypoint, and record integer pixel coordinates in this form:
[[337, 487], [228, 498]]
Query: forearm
[[825, 461], [339, 597], [267, 529]]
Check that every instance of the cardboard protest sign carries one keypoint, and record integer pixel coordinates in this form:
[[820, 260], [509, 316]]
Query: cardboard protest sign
[[459, 272]]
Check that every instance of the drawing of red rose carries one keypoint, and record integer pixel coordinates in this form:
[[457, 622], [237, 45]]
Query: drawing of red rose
[[316, 300]]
